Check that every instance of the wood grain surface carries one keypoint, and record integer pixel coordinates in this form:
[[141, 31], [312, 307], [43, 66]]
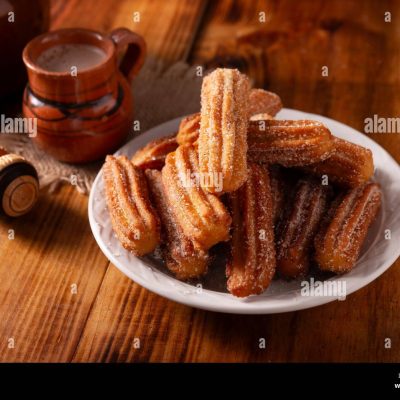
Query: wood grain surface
[[61, 300]]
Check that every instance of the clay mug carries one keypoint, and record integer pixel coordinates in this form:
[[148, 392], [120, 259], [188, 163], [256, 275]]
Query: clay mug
[[79, 92]]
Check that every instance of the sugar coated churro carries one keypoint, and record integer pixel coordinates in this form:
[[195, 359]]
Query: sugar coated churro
[[289, 143], [152, 156], [349, 165], [252, 264], [181, 256], [133, 217], [339, 240], [223, 127], [201, 215], [262, 105], [299, 226]]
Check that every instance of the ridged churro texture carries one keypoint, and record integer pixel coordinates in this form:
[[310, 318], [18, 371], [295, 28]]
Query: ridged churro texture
[[263, 102], [262, 105], [201, 215], [223, 127], [189, 129], [252, 263], [278, 189], [289, 143], [298, 228], [181, 256], [349, 165], [152, 156], [133, 217], [343, 231]]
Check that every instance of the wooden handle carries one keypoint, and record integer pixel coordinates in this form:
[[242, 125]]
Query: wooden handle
[[135, 54]]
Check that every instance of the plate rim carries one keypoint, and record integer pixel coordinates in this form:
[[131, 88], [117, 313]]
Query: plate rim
[[241, 306]]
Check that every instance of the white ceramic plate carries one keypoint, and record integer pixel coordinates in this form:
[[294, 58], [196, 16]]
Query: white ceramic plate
[[378, 253]]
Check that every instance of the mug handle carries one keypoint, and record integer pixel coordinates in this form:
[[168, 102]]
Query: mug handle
[[135, 54]]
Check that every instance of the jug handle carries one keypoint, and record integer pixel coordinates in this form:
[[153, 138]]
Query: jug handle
[[135, 54]]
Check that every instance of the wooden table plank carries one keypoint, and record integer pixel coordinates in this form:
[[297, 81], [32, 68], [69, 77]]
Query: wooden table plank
[[124, 312], [168, 27], [287, 57], [128, 323], [53, 249]]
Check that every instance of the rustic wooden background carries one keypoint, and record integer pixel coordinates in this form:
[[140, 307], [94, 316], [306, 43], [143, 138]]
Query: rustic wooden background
[[41, 320]]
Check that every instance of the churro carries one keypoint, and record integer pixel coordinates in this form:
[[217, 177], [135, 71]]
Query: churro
[[260, 117], [262, 105], [298, 228], [263, 102], [349, 165], [152, 156], [189, 129], [201, 215], [278, 190], [343, 231], [133, 217], [181, 256], [289, 143], [223, 127], [252, 264]]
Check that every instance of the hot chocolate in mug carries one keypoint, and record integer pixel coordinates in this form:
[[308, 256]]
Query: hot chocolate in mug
[[79, 92]]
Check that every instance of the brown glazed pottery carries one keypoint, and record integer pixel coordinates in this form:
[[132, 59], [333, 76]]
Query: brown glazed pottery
[[81, 117]]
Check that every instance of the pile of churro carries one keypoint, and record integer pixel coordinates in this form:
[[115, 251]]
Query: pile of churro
[[285, 196]]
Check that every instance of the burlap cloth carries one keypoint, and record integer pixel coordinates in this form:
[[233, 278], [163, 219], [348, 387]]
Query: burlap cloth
[[160, 94]]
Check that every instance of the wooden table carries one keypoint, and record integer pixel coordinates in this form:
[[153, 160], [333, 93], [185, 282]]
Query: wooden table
[[43, 317]]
